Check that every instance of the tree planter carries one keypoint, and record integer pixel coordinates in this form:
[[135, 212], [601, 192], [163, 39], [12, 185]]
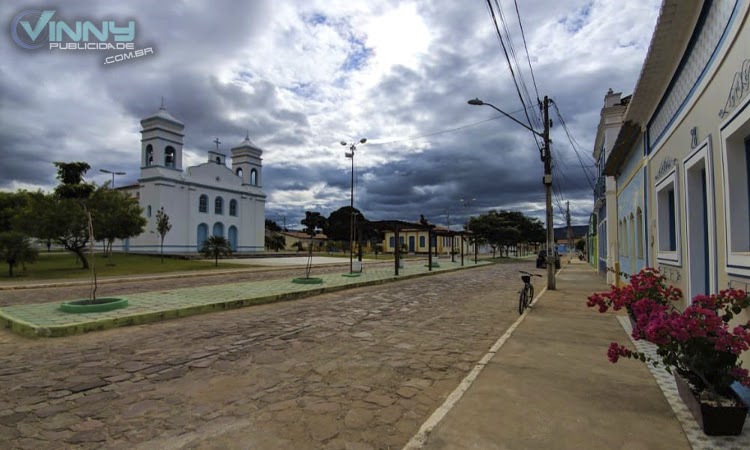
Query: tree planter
[[714, 420], [99, 305], [307, 280]]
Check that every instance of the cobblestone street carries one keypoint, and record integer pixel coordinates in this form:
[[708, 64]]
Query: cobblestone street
[[358, 369]]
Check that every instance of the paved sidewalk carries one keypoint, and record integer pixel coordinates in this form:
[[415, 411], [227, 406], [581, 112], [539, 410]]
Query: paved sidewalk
[[551, 385], [46, 320]]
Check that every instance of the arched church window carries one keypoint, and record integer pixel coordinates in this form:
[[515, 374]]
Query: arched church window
[[149, 155], [218, 229], [239, 172], [169, 155], [254, 177], [219, 205], [218, 160], [233, 207], [203, 204]]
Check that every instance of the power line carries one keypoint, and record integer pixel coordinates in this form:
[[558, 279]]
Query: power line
[[523, 35], [574, 142], [589, 175], [451, 130], [510, 65], [514, 56]]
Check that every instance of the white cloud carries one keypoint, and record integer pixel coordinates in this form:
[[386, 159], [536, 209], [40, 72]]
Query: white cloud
[[301, 76]]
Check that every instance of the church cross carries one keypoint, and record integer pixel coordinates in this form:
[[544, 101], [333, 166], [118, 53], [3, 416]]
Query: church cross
[[217, 142]]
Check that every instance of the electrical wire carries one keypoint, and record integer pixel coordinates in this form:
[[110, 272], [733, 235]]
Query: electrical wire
[[523, 35], [450, 130], [514, 57], [573, 143], [510, 66]]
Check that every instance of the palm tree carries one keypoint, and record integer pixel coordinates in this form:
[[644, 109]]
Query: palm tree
[[216, 246]]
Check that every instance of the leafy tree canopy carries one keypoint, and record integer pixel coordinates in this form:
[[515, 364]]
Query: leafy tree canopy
[[338, 227], [506, 228], [313, 221], [272, 226], [11, 204], [15, 249], [71, 179]]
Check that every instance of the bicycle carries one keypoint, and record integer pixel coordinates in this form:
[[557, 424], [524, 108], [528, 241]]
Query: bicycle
[[527, 292]]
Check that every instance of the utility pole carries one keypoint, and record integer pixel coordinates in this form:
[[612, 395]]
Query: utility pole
[[551, 284], [547, 180], [353, 217], [571, 246]]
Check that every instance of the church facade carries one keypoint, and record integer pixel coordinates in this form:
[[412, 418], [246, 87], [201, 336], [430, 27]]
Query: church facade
[[210, 199]]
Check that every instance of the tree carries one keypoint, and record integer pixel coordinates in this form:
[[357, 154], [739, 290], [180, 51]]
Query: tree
[[15, 248], [11, 203], [62, 216], [115, 215], [216, 246], [71, 178], [162, 227], [580, 245], [61, 220], [312, 222], [504, 229], [275, 242], [272, 226], [338, 225]]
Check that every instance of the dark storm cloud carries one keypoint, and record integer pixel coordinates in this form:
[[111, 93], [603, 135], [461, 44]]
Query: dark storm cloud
[[58, 107]]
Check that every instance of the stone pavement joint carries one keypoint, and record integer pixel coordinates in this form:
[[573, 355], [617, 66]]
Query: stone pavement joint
[[45, 319]]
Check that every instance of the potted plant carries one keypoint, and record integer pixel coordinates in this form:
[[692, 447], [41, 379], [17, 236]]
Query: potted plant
[[698, 346]]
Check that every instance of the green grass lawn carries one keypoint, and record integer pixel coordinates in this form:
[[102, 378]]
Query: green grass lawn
[[59, 265]]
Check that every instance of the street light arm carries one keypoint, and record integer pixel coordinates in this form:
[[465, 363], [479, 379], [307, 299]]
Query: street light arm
[[477, 102]]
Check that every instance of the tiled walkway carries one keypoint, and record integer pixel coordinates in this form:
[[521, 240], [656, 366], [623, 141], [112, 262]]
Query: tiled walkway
[[698, 439], [47, 320]]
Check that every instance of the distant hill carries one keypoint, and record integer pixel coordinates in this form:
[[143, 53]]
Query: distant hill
[[579, 231]]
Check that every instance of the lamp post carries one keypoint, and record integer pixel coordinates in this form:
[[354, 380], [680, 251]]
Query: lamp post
[[353, 148], [547, 180], [113, 175]]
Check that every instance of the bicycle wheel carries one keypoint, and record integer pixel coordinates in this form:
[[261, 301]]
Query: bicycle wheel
[[530, 296], [522, 301]]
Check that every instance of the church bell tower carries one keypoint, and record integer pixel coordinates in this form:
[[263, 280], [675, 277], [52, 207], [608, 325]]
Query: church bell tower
[[247, 162], [161, 141]]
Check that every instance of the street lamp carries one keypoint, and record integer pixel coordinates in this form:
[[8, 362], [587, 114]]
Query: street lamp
[[353, 148], [113, 176], [547, 180]]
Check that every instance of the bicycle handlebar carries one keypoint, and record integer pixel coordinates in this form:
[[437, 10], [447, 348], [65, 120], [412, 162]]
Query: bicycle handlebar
[[528, 273]]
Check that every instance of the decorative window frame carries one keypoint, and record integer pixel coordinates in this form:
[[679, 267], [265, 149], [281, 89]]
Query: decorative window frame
[[703, 152], [735, 128], [233, 207], [668, 257]]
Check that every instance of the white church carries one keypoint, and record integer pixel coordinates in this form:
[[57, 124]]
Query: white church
[[209, 199]]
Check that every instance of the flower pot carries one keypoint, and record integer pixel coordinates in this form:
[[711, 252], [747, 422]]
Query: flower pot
[[725, 420]]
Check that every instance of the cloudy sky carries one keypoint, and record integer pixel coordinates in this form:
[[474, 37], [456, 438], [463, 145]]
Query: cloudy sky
[[302, 76]]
